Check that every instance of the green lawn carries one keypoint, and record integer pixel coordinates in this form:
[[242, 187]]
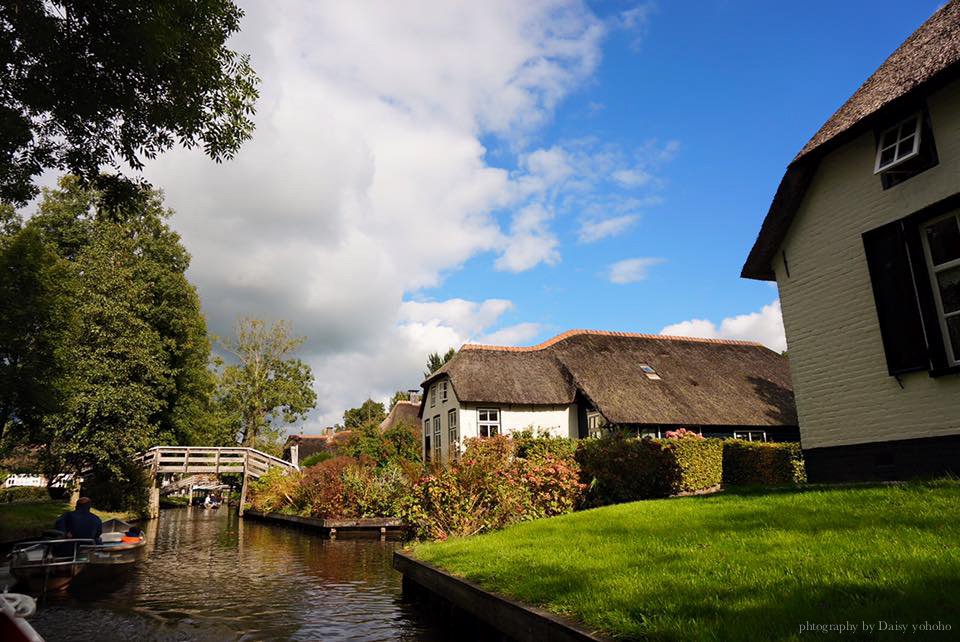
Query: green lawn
[[29, 519], [735, 566]]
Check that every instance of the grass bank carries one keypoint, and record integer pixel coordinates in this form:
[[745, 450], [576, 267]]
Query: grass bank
[[21, 520], [734, 566]]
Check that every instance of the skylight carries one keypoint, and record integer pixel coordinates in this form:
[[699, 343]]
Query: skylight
[[649, 372]]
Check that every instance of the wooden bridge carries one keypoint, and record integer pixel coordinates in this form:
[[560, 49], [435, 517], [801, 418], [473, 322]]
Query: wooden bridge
[[192, 460]]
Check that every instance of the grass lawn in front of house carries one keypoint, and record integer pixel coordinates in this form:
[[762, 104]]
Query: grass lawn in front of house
[[740, 565]]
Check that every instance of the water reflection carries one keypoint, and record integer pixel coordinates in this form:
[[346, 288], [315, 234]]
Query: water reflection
[[207, 575]]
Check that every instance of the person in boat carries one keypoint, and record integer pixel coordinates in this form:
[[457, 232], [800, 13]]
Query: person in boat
[[132, 535], [207, 502], [80, 523]]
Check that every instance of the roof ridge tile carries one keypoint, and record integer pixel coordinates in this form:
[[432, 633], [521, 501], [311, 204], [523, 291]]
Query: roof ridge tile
[[605, 333]]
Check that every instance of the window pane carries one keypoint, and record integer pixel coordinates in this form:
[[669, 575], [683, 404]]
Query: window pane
[[953, 327], [889, 138], [908, 127], [905, 147], [949, 282], [944, 240], [886, 156]]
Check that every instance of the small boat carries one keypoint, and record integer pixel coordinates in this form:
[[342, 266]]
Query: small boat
[[53, 564], [48, 564]]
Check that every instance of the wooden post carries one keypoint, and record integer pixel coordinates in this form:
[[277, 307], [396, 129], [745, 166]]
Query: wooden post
[[243, 490], [153, 504]]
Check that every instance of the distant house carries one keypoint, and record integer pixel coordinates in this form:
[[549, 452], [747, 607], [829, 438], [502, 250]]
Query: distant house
[[403, 412], [863, 240], [582, 382], [299, 447]]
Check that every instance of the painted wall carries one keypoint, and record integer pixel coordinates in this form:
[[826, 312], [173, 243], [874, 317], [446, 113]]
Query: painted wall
[[843, 392], [560, 421]]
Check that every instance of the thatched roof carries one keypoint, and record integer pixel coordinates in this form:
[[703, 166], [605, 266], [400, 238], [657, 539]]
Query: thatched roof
[[403, 412], [312, 444], [925, 61], [702, 381]]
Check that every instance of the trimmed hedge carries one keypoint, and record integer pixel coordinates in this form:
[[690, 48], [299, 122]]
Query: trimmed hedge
[[754, 463], [622, 469], [23, 494]]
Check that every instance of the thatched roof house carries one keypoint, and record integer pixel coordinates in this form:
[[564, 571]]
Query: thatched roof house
[[307, 445], [863, 239], [403, 412], [581, 380]]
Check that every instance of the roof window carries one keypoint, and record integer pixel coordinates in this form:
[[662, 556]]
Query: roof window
[[650, 372], [899, 143]]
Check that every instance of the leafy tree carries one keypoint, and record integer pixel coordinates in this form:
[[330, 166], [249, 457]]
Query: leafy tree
[[399, 395], [266, 387], [369, 412], [89, 83], [31, 331], [394, 445], [121, 326], [435, 361]]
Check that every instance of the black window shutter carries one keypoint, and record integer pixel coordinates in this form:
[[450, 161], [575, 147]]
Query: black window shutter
[[901, 327]]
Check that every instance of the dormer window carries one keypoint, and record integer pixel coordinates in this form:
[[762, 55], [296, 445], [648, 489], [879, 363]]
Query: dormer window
[[905, 149], [899, 143]]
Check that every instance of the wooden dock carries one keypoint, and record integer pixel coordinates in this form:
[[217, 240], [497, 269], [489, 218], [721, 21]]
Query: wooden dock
[[376, 527]]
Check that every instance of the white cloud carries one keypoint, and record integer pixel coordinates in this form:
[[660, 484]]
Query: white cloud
[[366, 178], [631, 270], [765, 326], [632, 177], [530, 241], [595, 230], [512, 335]]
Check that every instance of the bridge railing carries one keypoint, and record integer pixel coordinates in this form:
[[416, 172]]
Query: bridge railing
[[207, 459]]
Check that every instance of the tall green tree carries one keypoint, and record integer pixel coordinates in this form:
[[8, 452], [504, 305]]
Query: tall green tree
[[369, 412], [32, 326], [266, 387], [94, 83], [435, 361], [127, 340]]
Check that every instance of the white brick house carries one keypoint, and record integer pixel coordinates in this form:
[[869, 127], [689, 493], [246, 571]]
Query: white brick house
[[578, 382], [863, 240]]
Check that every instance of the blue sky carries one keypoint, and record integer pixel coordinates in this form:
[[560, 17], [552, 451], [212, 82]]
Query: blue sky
[[431, 172], [741, 86]]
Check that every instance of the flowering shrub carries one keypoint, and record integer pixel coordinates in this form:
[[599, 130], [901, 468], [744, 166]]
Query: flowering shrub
[[682, 433], [491, 487]]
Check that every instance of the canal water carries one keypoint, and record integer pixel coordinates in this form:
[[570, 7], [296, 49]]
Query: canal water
[[208, 575]]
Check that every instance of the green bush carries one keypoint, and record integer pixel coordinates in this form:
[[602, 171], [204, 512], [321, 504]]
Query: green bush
[[23, 494], [754, 463], [532, 445], [624, 469], [699, 461], [316, 458]]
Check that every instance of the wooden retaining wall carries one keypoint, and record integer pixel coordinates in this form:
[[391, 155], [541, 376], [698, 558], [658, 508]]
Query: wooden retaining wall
[[363, 527], [513, 619]]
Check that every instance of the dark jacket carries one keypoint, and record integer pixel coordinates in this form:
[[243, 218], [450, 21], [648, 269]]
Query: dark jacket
[[81, 524]]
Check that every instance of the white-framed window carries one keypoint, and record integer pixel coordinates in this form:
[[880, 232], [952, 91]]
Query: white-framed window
[[941, 244], [488, 422], [595, 423], [453, 435], [898, 143], [436, 437], [750, 435], [443, 391], [433, 395]]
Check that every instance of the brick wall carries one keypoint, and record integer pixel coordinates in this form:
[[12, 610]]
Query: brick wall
[[843, 392]]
